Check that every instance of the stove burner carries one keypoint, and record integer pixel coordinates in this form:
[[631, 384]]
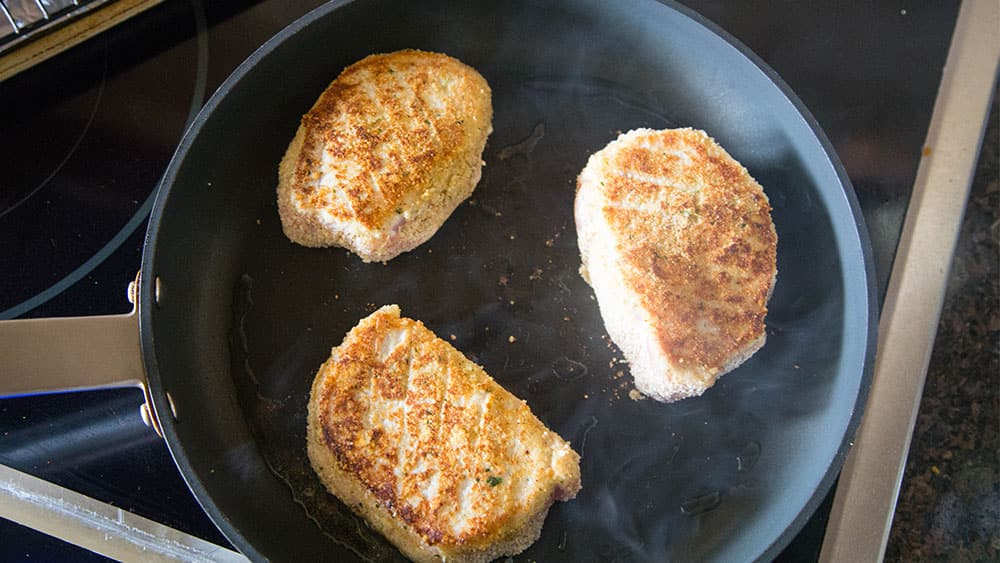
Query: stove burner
[[65, 205], [23, 137]]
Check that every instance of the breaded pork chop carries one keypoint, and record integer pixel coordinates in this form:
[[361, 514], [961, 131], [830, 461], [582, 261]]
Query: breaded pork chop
[[385, 155], [429, 449], [677, 241]]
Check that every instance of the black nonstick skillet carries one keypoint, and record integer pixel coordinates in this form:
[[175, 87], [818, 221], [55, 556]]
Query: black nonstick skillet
[[233, 320]]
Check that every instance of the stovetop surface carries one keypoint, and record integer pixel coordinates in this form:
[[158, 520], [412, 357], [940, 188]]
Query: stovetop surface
[[86, 136]]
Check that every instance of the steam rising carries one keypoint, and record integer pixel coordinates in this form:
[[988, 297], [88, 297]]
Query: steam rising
[[500, 282]]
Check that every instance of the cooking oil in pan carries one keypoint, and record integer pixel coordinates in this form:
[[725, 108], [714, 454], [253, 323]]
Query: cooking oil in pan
[[500, 281]]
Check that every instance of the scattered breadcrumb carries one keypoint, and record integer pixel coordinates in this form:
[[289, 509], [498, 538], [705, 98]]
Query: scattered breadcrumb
[[512, 339], [635, 395]]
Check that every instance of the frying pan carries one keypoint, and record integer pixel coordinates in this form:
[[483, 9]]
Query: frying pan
[[233, 319]]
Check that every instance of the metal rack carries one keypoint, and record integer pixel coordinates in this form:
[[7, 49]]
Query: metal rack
[[32, 31]]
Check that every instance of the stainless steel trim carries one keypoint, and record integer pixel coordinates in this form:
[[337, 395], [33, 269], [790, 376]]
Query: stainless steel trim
[[41, 42], [865, 500], [97, 526]]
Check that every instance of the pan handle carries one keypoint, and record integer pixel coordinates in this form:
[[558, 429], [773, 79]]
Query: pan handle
[[70, 354], [75, 354]]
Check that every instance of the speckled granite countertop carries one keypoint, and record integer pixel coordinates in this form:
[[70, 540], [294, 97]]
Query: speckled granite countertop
[[949, 503]]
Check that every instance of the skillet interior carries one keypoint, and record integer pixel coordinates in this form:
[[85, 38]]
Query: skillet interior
[[246, 317]]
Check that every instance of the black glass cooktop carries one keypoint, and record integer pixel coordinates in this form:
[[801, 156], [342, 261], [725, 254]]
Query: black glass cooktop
[[85, 136]]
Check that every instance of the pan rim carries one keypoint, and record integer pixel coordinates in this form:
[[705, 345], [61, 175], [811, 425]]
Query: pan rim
[[148, 303]]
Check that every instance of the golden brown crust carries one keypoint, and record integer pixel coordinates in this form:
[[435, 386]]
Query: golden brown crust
[[722, 267], [393, 137], [440, 458], [693, 238]]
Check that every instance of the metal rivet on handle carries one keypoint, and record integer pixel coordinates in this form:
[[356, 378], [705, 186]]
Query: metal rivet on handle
[[173, 407], [147, 418]]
